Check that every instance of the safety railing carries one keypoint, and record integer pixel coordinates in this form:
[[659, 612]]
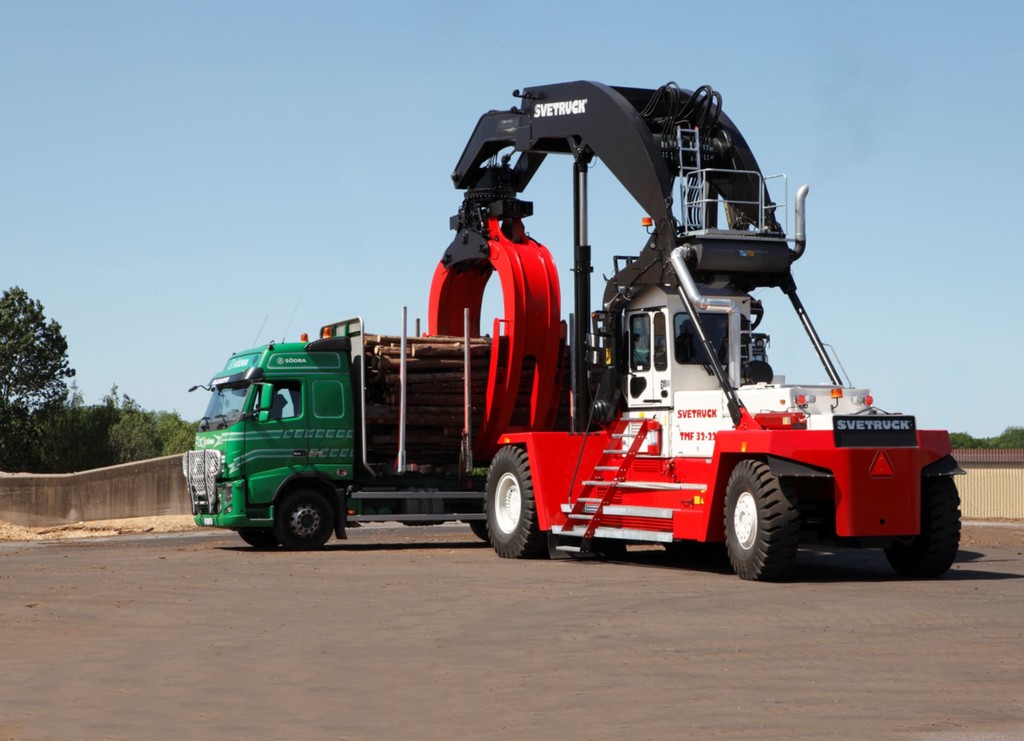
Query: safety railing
[[700, 196]]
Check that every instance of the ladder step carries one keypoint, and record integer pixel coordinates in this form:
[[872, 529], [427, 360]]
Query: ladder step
[[617, 533], [649, 485], [578, 516], [621, 510], [607, 468]]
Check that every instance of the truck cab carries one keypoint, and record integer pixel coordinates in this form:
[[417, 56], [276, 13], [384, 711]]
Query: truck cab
[[283, 455], [280, 419]]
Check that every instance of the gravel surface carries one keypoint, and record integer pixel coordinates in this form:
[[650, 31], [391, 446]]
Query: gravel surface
[[1009, 533], [99, 528]]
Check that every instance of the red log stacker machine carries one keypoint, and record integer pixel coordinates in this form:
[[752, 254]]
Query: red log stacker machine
[[680, 428]]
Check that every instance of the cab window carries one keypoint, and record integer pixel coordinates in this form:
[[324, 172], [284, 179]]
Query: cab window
[[640, 342], [660, 343], [687, 342], [287, 400]]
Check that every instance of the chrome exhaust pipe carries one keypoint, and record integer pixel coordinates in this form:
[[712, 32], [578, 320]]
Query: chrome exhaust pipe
[[800, 233]]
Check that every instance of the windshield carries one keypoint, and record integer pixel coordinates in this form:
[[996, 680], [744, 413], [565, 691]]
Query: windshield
[[225, 407], [688, 348]]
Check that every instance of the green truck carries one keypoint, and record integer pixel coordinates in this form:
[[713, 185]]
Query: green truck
[[284, 454]]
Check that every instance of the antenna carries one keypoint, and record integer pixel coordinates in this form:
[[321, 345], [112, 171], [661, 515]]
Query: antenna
[[290, 319], [256, 338]]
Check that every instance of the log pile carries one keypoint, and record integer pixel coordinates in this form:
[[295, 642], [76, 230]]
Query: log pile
[[434, 395]]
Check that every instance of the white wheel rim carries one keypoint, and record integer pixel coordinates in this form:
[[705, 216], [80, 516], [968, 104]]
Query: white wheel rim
[[508, 503], [744, 520], [305, 521]]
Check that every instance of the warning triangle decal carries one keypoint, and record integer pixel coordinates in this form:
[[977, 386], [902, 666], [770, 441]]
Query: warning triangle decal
[[881, 466]]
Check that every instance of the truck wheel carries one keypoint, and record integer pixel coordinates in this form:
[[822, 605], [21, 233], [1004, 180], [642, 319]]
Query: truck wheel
[[304, 520], [932, 552], [510, 507], [479, 528], [762, 524], [258, 537]]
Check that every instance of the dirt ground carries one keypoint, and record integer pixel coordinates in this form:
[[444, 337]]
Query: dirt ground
[[424, 633], [995, 532]]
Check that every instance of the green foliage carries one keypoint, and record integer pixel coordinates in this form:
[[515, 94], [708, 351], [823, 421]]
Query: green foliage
[[33, 354], [961, 440], [176, 435], [1011, 438], [33, 372], [45, 427], [76, 437]]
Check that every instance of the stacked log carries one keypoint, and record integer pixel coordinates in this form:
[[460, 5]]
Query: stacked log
[[435, 397]]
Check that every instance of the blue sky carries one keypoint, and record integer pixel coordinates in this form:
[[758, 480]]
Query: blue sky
[[176, 175]]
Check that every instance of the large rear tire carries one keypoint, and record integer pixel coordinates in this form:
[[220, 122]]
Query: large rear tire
[[931, 553], [762, 524], [511, 508], [304, 520]]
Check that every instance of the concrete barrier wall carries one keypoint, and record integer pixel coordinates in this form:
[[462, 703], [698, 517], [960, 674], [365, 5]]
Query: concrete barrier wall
[[157, 487], [142, 489]]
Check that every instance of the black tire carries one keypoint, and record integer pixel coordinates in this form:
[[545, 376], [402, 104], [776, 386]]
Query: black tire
[[304, 520], [762, 524], [932, 552], [479, 528], [510, 507], [259, 537]]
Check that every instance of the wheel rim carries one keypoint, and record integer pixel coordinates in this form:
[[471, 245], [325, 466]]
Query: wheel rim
[[304, 520], [744, 520], [508, 503]]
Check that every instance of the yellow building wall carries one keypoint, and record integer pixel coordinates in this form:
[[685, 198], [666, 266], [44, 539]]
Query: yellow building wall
[[991, 492]]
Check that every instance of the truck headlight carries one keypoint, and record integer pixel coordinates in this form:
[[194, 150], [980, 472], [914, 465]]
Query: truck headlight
[[226, 498]]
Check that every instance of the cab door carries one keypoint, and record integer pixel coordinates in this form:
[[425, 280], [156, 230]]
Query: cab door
[[649, 382], [276, 443]]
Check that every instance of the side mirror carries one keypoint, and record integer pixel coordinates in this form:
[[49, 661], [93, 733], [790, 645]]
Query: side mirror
[[266, 402]]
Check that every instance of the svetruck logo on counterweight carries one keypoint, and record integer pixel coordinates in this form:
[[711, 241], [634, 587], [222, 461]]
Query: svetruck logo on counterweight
[[561, 108]]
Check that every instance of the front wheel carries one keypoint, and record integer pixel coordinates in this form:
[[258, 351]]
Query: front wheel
[[930, 553], [511, 508], [479, 528], [303, 520], [258, 537], [762, 524]]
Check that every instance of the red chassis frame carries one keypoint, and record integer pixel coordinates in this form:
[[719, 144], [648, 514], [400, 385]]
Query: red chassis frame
[[871, 499]]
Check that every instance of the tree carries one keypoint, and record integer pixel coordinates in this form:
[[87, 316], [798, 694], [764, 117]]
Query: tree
[[33, 354], [1012, 437], [33, 372], [175, 434], [962, 441]]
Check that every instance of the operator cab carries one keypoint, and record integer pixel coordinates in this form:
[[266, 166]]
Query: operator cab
[[669, 374], [666, 355]]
